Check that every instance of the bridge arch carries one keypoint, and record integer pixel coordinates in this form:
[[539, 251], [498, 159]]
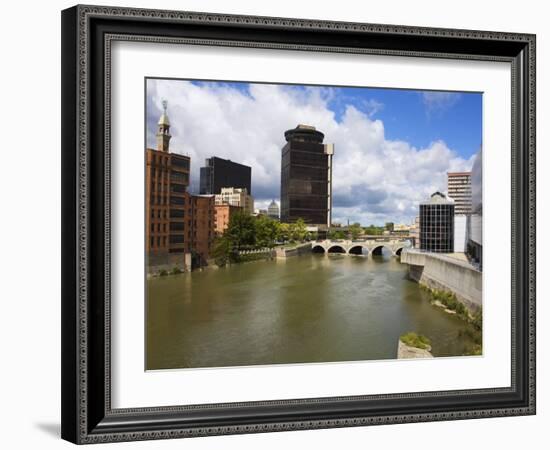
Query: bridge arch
[[358, 250], [336, 249], [399, 250], [377, 250], [318, 248]]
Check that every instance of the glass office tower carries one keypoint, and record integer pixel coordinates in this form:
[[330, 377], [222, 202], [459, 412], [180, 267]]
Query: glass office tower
[[306, 177], [437, 224], [219, 173]]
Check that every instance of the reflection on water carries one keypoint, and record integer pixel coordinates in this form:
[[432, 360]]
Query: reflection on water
[[312, 308]]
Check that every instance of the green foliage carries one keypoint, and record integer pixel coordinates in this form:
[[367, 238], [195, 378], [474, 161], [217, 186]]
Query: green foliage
[[245, 232], [336, 234], [283, 232], [266, 231], [355, 231], [175, 270], [477, 319], [415, 340], [449, 300], [241, 230], [374, 230], [163, 273], [298, 230], [221, 251]]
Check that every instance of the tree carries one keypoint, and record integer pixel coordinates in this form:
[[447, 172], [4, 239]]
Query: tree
[[298, 230], [374, 230], [336, 234], [240, 230], [221, 251], [283, 232], [355, 231], [266, 231], [389, 226]]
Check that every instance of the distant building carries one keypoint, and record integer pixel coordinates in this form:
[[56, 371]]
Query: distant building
[[179, 226], [459, 188], [273, 210], [306, 177], [224, 213], [474, 246], [219, 173], [235, 197], [437, 224], [415, 232], [401, 229]]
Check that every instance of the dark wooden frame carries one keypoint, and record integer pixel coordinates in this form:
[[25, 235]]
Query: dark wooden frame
[[87, 32]]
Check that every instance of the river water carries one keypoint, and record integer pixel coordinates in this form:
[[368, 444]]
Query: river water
[[311, 308]]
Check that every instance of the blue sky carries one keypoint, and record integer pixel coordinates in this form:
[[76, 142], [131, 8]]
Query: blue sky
[[393, 146]]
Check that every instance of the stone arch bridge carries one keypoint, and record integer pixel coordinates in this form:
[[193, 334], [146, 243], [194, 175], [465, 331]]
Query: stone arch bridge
[[361, 247]]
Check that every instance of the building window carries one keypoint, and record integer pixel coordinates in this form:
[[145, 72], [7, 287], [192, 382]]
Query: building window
[[177, 239], [180, 162], [177, 200], [177, 213], [177, 226]]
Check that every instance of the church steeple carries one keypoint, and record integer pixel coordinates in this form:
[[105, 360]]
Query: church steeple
[[163, 133]]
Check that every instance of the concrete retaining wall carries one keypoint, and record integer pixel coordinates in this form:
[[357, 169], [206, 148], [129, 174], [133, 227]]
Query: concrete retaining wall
[[167, 261], [445, 273], [301, 249]]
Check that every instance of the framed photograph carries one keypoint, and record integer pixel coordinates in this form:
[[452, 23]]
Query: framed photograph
[[278, 224]]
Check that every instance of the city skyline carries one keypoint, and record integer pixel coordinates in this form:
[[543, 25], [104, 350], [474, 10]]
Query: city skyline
[[224, 119]]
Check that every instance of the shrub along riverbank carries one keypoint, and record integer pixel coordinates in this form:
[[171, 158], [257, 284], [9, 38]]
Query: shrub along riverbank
[[474, 320], [416, 340]]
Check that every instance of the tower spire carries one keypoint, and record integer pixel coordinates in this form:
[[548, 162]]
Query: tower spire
[[163, 133]]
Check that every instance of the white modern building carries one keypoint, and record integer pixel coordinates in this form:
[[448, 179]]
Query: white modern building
[[235, 197]]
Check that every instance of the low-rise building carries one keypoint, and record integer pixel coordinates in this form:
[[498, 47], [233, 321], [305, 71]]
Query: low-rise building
[[437, 224], [223, 216], [415, 232]]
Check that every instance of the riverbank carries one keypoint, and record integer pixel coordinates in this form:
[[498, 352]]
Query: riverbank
[[446, 273]]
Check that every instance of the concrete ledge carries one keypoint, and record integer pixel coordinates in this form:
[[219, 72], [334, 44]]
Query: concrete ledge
[[405, 351], [300, 249]]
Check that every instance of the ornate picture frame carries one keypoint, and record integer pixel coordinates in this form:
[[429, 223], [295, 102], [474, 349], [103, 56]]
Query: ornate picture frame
[[88, 33]]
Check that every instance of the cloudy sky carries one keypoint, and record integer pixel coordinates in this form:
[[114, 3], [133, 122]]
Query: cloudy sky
[[393, 147]]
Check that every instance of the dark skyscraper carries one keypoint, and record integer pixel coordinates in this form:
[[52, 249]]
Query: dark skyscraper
[[219, 173], [306, 177], [437, 224]]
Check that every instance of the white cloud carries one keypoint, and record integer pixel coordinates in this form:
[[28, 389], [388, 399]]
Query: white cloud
[[375, 179], [439, 101]]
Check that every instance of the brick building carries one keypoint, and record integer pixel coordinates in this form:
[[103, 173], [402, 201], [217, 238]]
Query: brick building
[[223, 216], [179, 227]]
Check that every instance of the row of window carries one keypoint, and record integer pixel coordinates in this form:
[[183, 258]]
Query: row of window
[[160, 213], [177, 226]]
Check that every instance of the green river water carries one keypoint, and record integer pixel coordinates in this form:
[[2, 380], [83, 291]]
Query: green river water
[[311, 308]]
